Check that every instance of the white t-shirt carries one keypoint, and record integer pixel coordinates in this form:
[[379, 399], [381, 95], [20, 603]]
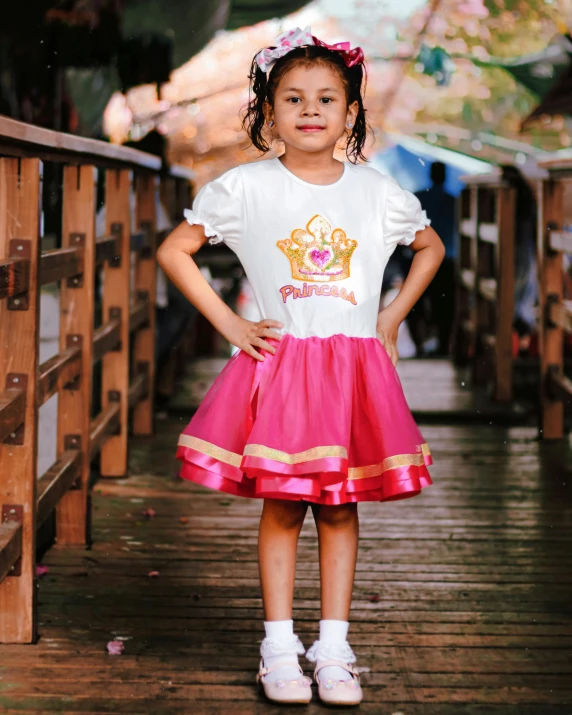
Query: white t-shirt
[[314, 254]]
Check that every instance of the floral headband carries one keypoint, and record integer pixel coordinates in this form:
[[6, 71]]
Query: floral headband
[[292, 39]]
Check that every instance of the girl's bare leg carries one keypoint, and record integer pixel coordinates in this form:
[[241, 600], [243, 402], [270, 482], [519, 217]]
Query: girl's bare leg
[[338, 533], [280, 526]]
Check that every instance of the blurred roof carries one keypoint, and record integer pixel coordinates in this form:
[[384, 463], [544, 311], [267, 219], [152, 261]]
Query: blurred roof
[[191, 24]]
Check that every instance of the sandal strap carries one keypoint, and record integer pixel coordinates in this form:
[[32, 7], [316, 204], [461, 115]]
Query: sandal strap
[[338, 663], [265, 670]]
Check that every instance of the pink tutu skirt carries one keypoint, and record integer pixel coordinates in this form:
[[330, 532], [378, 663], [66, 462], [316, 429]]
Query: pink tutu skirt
[[323, 420]]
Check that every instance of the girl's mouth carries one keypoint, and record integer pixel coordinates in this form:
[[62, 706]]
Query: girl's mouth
[[310, 128]]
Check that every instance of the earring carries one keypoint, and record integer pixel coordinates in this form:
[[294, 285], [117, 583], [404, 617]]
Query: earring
[[350, 125], [271, 123]]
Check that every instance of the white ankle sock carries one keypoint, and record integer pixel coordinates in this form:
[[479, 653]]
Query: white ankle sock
[[332, 645], [281, 645]]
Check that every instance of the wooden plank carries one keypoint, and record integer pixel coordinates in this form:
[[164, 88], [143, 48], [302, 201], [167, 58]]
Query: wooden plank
[[107, 423], [504, 293], [560, 241], [139, 388], [12, 411], [116, 295], [551, 336], [14, 276], [56, 482], [105, 338], [58, 372], [19, 330], [105, 249], [10, 547], [139, 316], [145, 291], [45, 142], [76, 330], [60, 264], [489, 232]]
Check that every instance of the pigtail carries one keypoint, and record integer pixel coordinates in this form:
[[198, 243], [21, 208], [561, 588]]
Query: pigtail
[[254, 119], [357, 77]]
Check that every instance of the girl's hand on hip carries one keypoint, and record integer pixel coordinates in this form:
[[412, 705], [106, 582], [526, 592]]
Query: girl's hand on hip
[[386, 330], [247, 336]]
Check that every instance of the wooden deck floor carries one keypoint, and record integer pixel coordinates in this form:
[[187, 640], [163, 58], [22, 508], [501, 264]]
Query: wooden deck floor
[[462, 603]]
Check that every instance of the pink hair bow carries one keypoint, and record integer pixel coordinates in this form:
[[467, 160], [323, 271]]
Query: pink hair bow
[[349, 56], [290, 40]]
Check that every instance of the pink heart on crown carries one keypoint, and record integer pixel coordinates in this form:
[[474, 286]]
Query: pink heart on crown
[[320, 258]]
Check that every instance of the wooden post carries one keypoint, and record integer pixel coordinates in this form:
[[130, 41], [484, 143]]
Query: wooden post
[[551, 287], [116, 294], [19, 330], [474, 295], [505, 293], [76, 329], [145, 290]]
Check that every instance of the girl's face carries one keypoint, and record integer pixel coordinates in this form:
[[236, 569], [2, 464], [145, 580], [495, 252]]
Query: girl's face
[[310, 108]]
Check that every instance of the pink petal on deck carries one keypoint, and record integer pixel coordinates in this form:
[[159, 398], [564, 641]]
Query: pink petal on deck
[[41, 570], [153, 574], [184, 520], [115, 647], [149, 513]]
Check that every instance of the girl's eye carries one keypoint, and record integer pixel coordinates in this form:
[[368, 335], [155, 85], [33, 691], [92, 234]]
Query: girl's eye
[[328, 100], [290, 99]]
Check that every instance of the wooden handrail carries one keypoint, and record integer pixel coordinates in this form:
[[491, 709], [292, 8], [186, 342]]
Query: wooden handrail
[[20, 139], [10, 546], [139, 316], [138, 389], [119, 268], [61, 263], [56, 482], [58, 372], [12, 411], [105, 249], [106, 338], [106, 423]]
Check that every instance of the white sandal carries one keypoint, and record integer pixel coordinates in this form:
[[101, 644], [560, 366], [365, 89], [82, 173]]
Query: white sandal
[[291, 690], [330, 690], [339, 692]]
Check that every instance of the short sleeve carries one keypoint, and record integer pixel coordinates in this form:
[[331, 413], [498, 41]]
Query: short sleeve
[[219, 207], [403, 216]]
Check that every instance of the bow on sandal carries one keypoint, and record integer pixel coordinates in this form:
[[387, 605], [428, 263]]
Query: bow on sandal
[[339, 692], [297, 690]]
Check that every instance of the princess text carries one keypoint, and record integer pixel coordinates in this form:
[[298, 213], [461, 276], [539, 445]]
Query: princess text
[[308, 291]]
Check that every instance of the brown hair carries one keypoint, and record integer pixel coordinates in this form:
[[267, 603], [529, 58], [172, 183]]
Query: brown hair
[[264, 88]]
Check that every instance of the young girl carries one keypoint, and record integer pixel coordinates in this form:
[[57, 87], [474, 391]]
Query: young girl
[[310, 410]]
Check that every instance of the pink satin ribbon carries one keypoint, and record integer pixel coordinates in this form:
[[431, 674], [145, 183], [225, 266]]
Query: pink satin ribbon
[[349, 56]]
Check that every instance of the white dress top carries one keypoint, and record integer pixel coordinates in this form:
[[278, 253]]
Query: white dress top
[[314, 254]]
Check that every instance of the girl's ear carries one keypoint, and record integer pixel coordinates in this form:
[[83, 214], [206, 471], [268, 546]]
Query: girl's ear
[[352, 112], [268, 113]]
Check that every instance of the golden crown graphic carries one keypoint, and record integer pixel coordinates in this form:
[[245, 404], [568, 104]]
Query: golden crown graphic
[[318, 253]]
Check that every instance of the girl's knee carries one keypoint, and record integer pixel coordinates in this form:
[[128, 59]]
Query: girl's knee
[[337, 517], [285, 514]]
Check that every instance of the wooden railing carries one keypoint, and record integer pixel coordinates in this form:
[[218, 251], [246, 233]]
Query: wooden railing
[[123, 343], [554, 240], [485, 282]]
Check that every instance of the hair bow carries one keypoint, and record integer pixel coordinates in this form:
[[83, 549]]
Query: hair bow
[[290, 40]]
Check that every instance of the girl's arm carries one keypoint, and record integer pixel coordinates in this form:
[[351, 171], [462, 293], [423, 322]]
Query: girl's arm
[[175, 258], [429, 253]]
